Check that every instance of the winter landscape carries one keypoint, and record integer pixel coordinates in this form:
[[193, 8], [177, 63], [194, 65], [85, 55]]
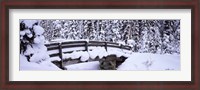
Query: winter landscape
[[99, 44]]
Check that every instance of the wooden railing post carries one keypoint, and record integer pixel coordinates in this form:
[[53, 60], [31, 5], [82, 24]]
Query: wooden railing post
[[106, 46], [120, 46], [60, 54], [86, 46]]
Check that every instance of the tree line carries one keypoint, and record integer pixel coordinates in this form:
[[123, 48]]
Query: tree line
[[146, 36]]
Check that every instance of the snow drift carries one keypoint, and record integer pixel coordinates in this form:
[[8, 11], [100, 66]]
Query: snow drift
[[138, 62], [147, 61]]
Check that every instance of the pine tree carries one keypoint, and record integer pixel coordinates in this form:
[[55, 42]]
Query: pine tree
[[32, 41]]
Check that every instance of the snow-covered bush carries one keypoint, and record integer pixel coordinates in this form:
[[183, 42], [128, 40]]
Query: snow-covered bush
[[32, 41]]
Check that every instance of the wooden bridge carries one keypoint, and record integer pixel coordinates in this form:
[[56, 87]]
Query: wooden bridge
[[56, 49]]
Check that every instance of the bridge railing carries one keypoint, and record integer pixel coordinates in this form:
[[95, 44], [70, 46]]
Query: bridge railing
[[56, 49]]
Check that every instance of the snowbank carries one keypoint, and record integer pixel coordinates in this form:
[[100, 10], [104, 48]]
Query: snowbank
[[44, 65], [147, 61], [84, 66], [137, 62]]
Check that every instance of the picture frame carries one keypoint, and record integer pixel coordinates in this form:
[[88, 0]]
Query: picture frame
[[91, 4]]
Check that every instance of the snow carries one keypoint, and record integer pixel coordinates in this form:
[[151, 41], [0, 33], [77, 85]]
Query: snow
[[36, 40], [29, 23], [119, 52], [137, 62], [45, 65], [148, 61], [121, 42], [116, 52], [27, 31], [131, 42], [39, 39], [146, 36], [84, 66], [38, 50], [76, 54], [97, 51], [66, 40], [29, 50], [134, 62], [58, 26], [22, 33], [38, 30], [59, 40], [66, 56], [30, 35], [84, 56], [54, 59], [73, 49], [92, 53], [153, 38]]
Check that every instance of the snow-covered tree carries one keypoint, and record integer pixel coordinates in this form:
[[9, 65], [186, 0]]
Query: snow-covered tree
[[32, 41]]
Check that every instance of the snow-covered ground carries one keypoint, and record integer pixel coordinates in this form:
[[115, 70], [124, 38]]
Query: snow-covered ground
[[138, 61], [43, 65], [147, 61], [84, 66]]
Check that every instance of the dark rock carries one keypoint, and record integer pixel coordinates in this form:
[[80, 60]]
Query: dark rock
[[111, 62], [120, 60], [108, 63], [57, 63]]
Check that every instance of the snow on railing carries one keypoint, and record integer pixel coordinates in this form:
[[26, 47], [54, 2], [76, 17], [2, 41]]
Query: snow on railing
[[56, 49]]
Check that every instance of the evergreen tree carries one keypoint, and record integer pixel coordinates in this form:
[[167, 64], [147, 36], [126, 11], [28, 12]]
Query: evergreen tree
[[32, 41]]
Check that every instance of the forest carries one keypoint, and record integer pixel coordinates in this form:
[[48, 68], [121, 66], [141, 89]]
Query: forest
[[145, 36]]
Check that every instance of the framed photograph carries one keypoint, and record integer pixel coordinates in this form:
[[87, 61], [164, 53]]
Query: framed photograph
[[144, 45]]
